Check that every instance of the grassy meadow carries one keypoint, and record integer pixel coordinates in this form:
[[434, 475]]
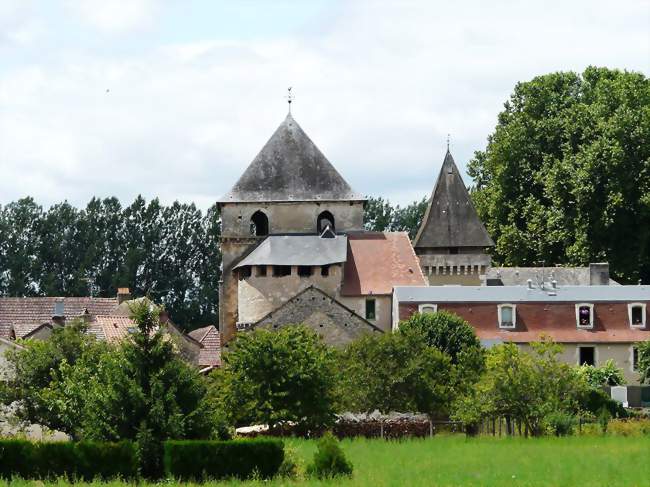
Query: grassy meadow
[[455, 461]]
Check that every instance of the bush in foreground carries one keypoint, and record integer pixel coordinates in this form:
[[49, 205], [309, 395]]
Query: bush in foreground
[[201, 460], [84, 460], [329, 460]]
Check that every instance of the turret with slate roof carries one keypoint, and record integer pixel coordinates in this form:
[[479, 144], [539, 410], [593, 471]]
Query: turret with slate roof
[[451, 241]]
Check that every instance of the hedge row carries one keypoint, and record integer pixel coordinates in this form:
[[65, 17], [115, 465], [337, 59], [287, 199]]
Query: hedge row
[[201, 460], [83, 460]]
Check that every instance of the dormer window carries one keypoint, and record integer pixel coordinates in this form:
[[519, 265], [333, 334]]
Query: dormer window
[[427, 308], [637, 314], [507, 316], [585, 315]]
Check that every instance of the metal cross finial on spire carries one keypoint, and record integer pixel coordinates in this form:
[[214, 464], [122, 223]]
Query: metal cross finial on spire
[[289, 97], [448, 142]]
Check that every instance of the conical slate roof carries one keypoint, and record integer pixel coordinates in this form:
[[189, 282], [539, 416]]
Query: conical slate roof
[[450, 219], [290, 168]]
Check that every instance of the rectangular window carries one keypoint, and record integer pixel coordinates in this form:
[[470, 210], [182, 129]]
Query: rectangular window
[[637, 315], [585, 315], [261, 271], [507, 315], [325, 271], [427, 308], [370, 309], [453, 250], [304, 270], [587, 356], [281, 270]]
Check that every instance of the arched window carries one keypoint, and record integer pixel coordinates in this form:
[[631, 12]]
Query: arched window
[[325, 219], [259, 224]]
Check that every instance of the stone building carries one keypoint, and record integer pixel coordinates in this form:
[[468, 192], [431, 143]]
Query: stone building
[[452, 241], [290, 224]]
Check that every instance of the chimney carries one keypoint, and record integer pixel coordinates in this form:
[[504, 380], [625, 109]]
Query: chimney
[[58, 314], [123, 294], [599, 274]]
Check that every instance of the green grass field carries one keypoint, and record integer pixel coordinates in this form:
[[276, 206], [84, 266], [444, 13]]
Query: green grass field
[[455, 461]]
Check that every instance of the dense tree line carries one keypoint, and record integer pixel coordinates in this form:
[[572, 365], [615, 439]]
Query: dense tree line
[[565, 176], [169, 253], [381, 216]]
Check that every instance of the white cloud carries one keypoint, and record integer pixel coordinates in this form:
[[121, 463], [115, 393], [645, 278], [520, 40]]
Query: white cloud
[[114, 15], [378, 87]]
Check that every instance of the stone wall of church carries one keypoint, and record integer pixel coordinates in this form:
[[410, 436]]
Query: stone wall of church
[[259, 295], [335, 324], [291, 217]]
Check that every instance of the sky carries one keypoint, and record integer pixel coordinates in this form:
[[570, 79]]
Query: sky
[[174, 98]]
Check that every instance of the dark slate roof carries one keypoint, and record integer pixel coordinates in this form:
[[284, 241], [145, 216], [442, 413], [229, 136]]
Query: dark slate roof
[[298, 250], [450, 219], [290, 168]]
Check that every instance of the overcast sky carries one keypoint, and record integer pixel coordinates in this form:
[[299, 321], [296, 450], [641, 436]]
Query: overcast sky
[[173, 98]]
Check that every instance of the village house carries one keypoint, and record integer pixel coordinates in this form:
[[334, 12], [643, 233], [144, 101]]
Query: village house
[[107, 319], [593, 323]]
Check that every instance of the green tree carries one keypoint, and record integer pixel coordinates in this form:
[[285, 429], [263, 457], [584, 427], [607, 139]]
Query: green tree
[[381, 216], [608, 374], [272, 377], [395, 372], [443, 330], [37, 366], [643, 364], [527, 387], [565, 176]]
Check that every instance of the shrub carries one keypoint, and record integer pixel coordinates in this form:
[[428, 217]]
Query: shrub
[[329, 460], [625, 427], [561, 423], [604, 418], [594, 400], [86, 460], [200, 460]]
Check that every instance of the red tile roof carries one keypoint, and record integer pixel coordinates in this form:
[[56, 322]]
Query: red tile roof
[[26, 314], [210, 353], [111, 328], [378, 261]]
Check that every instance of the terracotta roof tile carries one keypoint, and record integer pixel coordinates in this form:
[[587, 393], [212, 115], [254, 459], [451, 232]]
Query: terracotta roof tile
[[26, 314], [113, 327], [378, 261], [208, 337]]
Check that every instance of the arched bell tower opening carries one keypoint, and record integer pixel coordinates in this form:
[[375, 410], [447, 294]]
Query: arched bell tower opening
[[259, 224], [325, 219]]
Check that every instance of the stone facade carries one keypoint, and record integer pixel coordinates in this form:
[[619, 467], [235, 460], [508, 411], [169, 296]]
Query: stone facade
[[336, 324], [258, 295]]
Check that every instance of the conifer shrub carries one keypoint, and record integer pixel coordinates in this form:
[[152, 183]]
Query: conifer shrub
[[83, 460], [188, 460], [329, 460]]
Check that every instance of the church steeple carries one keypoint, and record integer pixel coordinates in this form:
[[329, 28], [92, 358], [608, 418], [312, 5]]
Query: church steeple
[[290, 168], [450, 221]]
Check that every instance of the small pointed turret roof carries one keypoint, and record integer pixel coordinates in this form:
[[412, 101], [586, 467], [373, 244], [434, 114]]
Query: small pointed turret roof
[[290, 168], [451, 219]]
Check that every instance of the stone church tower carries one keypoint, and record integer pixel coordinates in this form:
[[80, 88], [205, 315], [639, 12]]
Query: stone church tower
[[290, 188], [452, 241]]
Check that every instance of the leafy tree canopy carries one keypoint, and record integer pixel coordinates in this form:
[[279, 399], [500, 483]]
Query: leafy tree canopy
[[395, 372], [381, 216], [565, 177], [275, 376], [445, 331]]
